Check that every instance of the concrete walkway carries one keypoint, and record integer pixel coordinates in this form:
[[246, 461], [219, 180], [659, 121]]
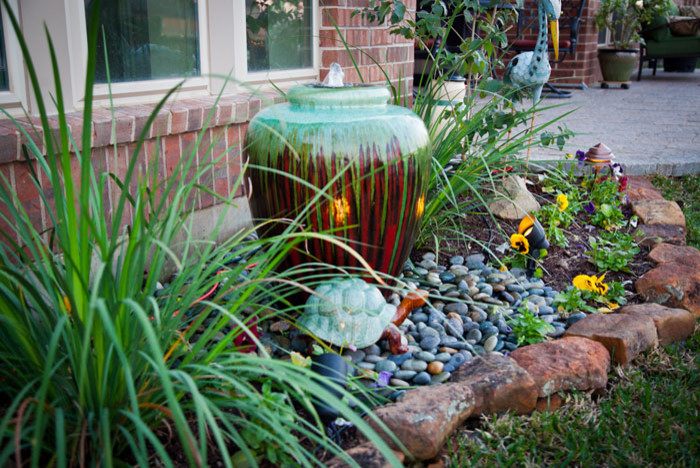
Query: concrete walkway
[[653, 127]]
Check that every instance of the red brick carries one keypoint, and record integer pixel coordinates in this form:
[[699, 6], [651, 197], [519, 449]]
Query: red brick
[[178, 119], [341, 17], [9, 144], [5, 226], [380, 37], [254, 106], [225, 114], [221, 163], [124, 125], [397, 54], [101, 127], [373, 55], [234, 137], [340, 56], [242, 110], [357, 37], [205, 157], [141, 115], [331, 38], [160, 124], [190, 161]]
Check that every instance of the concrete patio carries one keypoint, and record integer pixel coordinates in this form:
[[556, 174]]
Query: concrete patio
[[653, 127]]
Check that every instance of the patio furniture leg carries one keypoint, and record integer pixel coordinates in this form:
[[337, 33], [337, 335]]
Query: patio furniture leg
[[641, 63]]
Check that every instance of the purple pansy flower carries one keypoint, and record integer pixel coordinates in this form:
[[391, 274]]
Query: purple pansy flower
[[581, 156], [589, 207], [382, 380]]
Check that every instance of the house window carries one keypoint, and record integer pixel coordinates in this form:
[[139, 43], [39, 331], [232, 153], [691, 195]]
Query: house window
[[147, 39], [278, 34], [4, 81]]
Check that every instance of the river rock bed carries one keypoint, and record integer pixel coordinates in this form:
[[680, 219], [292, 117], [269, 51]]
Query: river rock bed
[[467, 314]]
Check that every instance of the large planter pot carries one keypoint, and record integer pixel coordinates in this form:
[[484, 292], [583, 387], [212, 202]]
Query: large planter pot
[[371, 159], [617, 64]]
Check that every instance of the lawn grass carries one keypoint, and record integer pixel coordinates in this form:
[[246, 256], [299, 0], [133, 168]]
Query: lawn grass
[[650, 416], [686, 191]]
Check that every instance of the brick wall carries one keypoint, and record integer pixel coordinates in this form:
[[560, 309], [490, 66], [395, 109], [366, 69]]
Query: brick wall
[[392, 52], [581, 67], [178, 126], [169, 142]]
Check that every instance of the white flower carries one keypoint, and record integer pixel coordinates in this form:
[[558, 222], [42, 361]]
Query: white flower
[[640, 4]]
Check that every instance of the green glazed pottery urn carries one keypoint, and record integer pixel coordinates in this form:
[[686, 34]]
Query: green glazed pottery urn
[[342, 161]]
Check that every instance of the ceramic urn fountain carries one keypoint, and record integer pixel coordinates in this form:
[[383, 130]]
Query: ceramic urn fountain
[[338, 159]]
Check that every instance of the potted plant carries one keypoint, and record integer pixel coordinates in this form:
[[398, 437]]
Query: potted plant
[[624, 20]]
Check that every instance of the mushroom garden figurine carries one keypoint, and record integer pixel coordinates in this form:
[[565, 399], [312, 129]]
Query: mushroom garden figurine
[[353, 312], [531, 69]]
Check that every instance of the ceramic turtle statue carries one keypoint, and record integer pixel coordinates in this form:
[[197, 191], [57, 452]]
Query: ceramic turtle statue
[[351, 311]]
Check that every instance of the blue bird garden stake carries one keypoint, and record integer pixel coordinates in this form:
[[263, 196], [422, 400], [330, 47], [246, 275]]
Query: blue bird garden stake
[[531, 70]]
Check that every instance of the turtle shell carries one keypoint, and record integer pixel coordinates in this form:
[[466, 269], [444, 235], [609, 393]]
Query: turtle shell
[[347, 311]]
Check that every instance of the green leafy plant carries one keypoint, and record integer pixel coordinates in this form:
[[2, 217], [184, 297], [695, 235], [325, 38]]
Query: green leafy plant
[[612, 251], [571, 301], [480, 135], [527, 327], [100, 365], [624, 18]]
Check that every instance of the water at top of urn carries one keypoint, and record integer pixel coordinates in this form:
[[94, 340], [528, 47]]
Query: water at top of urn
[[335, 76]]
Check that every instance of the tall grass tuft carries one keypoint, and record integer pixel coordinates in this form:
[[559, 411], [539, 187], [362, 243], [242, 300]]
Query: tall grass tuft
[[100, 365]]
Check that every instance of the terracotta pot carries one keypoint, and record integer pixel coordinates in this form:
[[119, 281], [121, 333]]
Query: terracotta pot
[[617, 64], [371, 159]]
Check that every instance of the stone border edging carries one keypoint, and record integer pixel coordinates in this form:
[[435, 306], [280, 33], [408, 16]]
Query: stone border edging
[[533, 375]]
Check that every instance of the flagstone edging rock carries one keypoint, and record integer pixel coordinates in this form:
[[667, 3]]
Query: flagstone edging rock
[[535, 376]]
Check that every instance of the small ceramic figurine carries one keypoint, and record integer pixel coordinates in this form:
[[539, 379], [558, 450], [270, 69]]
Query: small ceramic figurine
[[353, 312]]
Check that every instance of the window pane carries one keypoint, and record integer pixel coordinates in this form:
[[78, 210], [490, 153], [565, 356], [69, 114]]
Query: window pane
[[147, 39], [278, 34], [4, 82]]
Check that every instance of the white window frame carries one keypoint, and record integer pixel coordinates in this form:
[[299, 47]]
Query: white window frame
[[221, 26], [275, 75], [12, 99], [132, 92]]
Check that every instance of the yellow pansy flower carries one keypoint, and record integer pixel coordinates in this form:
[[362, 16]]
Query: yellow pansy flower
[[562, 202], [520, 243], [600, 287], [583, 282]]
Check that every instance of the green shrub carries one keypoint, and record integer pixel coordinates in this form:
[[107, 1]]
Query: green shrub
[[97, 364]]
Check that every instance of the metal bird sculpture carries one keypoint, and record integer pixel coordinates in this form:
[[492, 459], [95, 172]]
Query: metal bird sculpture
[[531, 70]]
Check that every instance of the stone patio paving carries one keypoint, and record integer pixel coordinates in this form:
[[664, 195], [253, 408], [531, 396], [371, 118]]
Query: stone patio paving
[[653, 127]]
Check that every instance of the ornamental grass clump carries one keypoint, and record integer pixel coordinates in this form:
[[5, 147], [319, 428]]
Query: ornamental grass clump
[[98, 364], [476, 138]]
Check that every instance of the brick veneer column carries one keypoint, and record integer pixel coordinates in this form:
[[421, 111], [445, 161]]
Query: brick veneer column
[[392, 52], [582, 67]]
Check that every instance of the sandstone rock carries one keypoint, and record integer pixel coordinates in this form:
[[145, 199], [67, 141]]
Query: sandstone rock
[[623, 335], [518, 200], [567, 364], [423, 418], [499, 385], [649, 235], [667, 253], [672, 285], [640, 188], [550, 403], [365, 455], [659, 212], [671, 324]]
